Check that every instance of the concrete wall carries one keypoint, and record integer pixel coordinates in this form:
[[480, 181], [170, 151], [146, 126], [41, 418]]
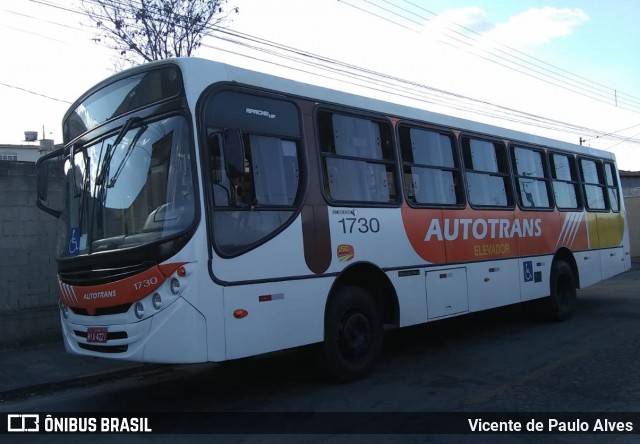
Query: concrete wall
[[632, 205], [28, 295], [631, 180]]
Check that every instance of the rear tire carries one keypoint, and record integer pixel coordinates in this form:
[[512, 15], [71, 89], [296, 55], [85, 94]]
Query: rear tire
[[353, 334], [560, 305]]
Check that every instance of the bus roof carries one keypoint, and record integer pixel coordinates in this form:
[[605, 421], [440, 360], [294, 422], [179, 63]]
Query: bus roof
[[209, 72]]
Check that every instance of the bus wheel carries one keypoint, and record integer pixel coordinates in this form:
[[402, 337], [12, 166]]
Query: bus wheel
[[352, 334], [561, 303]]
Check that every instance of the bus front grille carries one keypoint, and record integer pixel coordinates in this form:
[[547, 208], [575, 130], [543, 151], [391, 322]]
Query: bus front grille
[[104, 348], [83, 277]]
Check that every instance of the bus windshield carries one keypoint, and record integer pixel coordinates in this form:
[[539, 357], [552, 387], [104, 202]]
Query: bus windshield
[[128, 189]]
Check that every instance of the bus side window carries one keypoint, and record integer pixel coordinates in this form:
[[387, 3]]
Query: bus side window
[[565, 181], [274, 164], [358, 159], [612, 186], [431, 167], [532, 177], [257, 195], [487, 173], [593, 184]]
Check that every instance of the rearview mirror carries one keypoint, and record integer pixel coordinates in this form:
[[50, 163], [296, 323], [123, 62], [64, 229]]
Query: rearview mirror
[[42, 182]]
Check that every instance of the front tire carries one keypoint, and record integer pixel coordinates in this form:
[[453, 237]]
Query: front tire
[[353, 334]]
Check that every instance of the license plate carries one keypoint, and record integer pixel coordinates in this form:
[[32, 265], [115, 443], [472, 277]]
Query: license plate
[[97, 334]]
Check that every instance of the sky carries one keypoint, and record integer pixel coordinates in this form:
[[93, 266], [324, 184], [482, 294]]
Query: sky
[[564, 69]]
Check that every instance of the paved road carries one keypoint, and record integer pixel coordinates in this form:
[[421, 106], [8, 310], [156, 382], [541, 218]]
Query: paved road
[[505, 360]]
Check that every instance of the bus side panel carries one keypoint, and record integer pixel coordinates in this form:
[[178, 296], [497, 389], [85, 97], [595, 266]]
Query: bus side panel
[[279, 257], [280, 315], [493, 284], [612, 261], [374, 235], [588, 267], [207, 297], [446, 292], [610, 229], [409, 286], [534, 277], [181, 329], [611, 234]]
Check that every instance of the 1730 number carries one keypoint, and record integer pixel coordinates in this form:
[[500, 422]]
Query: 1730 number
[[362, 225]]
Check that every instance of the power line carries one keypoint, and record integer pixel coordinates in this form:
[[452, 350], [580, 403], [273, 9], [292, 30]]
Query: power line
[[34, 93], [599, 92], [33, 33], [382, 82], [472, 31], [56, 6], [599, 96], [408, 89], [569, 81], [597, 86], [63, 25], [376, 15], [613, 132], [623, 141]]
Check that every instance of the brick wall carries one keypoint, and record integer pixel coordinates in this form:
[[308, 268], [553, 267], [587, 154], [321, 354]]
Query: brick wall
[[28, 295]]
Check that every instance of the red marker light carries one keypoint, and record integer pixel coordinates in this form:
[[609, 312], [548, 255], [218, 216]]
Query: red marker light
[[240, 313], [182, 272]]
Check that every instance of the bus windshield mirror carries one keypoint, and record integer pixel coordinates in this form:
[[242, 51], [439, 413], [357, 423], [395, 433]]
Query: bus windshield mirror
[[42, 182], [233, 152]]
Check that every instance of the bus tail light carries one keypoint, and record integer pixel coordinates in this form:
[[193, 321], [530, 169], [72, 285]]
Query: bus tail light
[[181, 272]]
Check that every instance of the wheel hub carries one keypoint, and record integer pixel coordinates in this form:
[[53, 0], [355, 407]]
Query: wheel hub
[[355, 335]]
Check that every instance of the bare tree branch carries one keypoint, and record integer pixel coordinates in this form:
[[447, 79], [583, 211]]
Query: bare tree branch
[[147, 30]]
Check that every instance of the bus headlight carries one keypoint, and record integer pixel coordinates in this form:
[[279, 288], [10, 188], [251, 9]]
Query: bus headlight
[[139, 310], [175, 286], [157, 301], [65, 310]]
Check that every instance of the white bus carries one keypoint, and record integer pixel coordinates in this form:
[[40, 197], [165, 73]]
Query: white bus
[[210, 213]]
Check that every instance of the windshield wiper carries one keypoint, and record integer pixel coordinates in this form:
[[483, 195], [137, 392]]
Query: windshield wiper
[[106, 162], [72, 161], [113, 180]]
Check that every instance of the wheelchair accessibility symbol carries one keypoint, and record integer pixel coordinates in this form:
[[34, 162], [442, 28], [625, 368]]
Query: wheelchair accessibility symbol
[[74, 242], [528, 271]]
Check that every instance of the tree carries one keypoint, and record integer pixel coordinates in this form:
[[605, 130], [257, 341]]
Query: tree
[[147, 30]]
